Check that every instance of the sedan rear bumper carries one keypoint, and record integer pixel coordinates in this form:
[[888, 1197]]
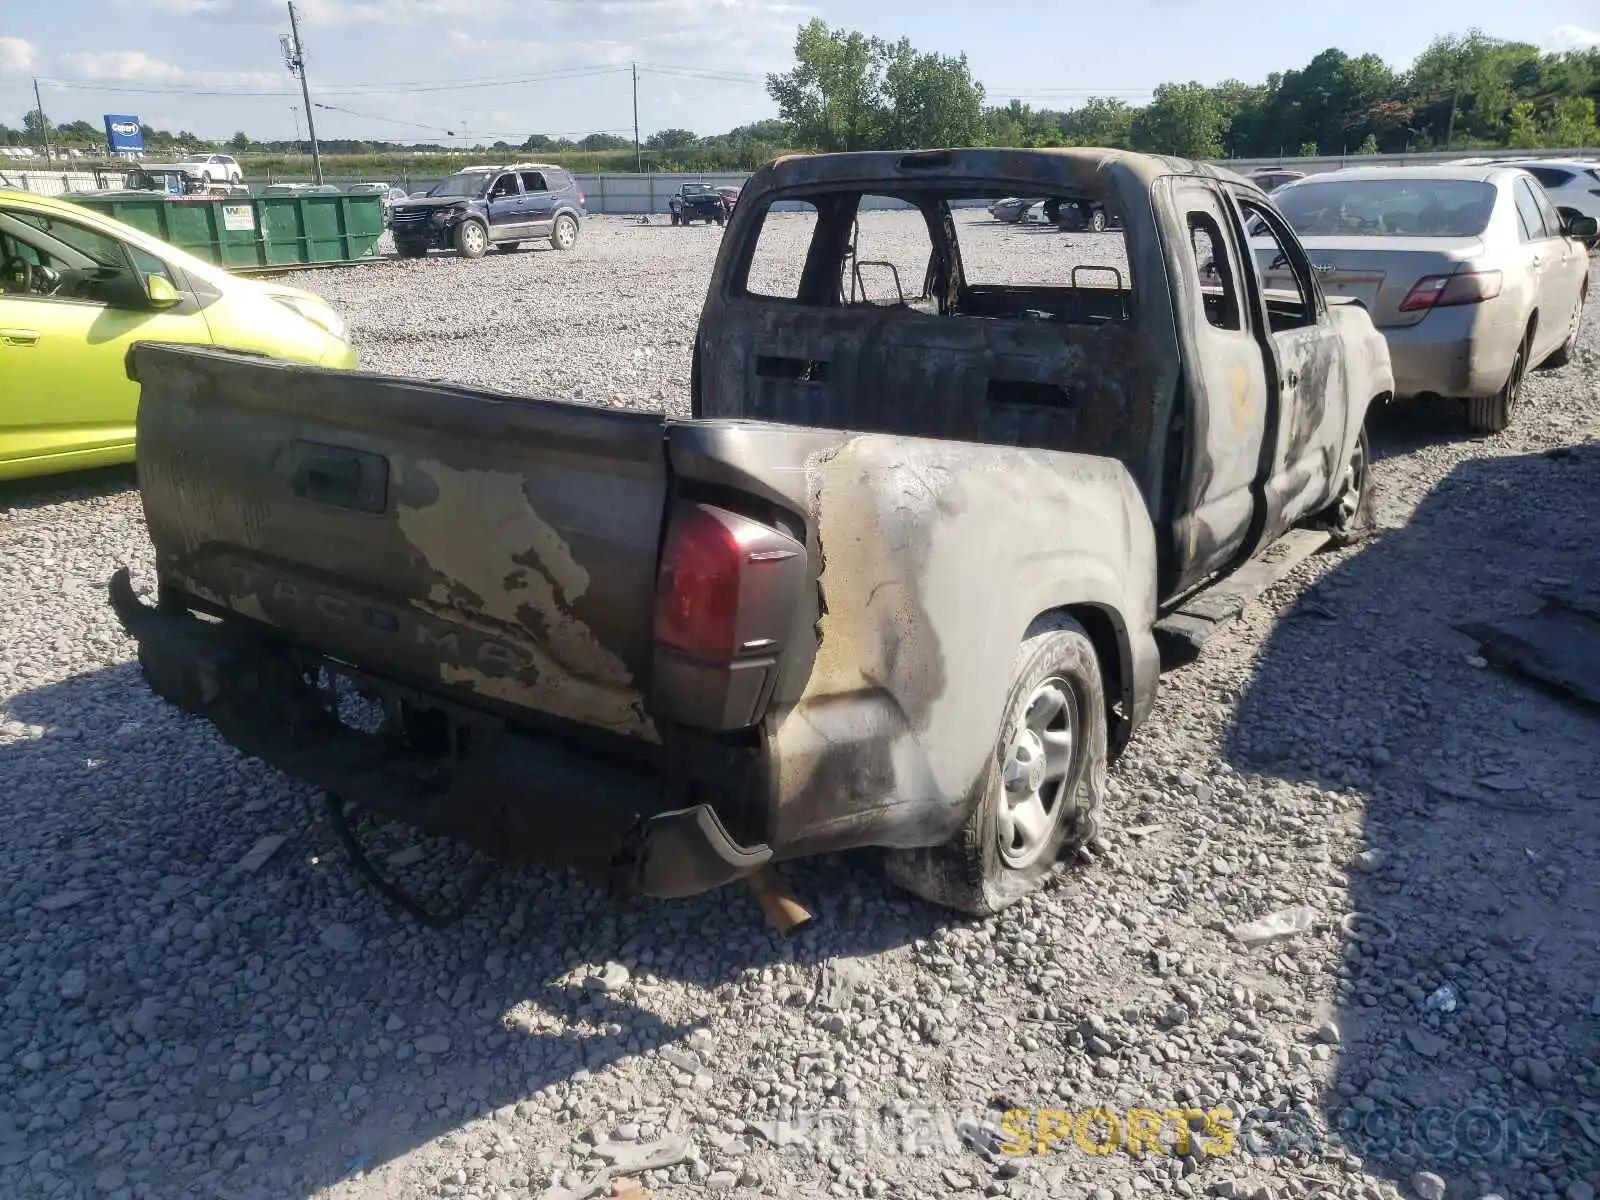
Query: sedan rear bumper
[[1452, 352]]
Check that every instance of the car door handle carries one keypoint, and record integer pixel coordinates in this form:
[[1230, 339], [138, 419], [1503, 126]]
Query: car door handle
[[19, 337]]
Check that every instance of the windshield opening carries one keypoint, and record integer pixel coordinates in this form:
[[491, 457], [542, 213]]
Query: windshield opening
[[1388, 207], [471, 184]]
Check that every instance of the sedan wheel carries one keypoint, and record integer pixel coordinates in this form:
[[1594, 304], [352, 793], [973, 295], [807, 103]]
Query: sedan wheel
[[565, 233], [1492, 414]]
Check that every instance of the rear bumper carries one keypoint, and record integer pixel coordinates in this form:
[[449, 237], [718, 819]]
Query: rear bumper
[[1452, 352], [515, 797]]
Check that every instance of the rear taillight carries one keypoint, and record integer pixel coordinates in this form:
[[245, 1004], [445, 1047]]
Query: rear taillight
[[727, 595], [697, 592], [582, 199], [1448, 291]]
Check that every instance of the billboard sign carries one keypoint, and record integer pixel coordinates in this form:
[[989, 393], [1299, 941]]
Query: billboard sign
[[124, 134]]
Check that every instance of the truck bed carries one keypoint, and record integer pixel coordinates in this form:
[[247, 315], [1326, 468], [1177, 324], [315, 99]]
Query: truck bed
[[498, 548]]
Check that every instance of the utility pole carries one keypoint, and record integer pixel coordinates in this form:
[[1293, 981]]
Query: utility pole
[[44, 122], [294, 58], [638, 156]]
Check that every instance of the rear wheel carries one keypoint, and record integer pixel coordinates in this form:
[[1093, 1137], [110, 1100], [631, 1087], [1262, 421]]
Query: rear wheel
[[1493, 414], [1037, 795], [565, 233], [1097, 221], [1563, 354], [472, 240]]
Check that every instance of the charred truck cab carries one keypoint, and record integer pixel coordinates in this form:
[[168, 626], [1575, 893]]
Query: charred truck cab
[[671, 651]]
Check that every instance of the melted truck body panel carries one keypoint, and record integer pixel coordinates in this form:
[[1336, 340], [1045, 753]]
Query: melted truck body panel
[[936, 558]]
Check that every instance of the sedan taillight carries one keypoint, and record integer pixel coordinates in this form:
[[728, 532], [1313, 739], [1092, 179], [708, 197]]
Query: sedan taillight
[[1448, 291]]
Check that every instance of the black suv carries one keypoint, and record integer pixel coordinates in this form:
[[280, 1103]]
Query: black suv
[[479, 207]]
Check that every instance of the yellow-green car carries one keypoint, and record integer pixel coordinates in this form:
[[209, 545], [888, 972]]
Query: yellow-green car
[[77, 289]]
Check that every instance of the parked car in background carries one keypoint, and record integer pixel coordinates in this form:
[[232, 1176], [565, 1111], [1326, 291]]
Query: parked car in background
[[1075, 216], [169, 181], [388, 193], [1571, 183], [730, 197], [483, 206], [1470, 272], [698, 202], [77, 289], [1014, 209], [212, 168]]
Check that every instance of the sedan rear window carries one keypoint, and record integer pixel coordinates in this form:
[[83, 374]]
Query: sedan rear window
[[1388, 207]]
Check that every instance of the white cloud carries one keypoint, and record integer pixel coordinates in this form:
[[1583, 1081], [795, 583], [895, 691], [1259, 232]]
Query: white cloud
[[17, 55], [1572, 37], [135, 66]]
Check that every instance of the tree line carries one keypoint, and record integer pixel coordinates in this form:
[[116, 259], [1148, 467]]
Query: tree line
[[849, 91]]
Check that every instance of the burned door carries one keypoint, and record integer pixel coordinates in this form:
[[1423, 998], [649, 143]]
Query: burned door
[[1211, 492], [1312, 389]]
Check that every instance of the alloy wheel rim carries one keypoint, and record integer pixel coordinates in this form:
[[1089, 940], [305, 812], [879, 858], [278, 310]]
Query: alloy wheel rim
[[1036, 772]]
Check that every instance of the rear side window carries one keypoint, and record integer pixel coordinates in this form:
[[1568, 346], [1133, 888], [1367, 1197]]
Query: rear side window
[[1529, 215], [1550, 177], [1217, 287], [533, 181], [780, 253], [557, 180]]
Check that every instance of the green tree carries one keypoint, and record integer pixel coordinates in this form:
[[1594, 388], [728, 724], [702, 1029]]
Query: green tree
[[832, 97], [930, 99], [1309, 150], [1182, 118], [1571, 123], [672, 139], [239, 142], [1522, 131], [1100, 122], [605, 141], [1369, 145]]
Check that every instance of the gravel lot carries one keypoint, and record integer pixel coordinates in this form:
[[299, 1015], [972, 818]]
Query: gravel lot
[[183, 1019]]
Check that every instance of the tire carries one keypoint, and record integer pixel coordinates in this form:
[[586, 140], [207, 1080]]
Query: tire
[[1349, 518], [1493, 414], [674, 219], [564, 235], [1097, 222], [1563, 353], [472, 239], [1000, 855], [408, 249]]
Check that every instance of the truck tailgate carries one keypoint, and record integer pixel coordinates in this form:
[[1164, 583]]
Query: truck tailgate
[[498, 547]]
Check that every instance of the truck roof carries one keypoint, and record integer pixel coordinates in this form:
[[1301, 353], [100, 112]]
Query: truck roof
[[1072, 166]]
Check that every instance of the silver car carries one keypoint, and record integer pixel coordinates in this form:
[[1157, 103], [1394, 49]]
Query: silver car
[[1469, 272]]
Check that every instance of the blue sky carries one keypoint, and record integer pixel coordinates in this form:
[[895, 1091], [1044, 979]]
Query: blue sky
[[1050, 53]]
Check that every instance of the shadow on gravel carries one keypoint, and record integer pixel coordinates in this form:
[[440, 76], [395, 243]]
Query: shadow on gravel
[[1481, 830], [296, 1028], [21, 495]]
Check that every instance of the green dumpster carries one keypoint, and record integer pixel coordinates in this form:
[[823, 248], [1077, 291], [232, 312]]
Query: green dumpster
[[253, 233]]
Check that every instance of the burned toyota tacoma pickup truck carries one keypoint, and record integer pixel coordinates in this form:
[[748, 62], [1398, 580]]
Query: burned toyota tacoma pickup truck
[[894, 583]]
